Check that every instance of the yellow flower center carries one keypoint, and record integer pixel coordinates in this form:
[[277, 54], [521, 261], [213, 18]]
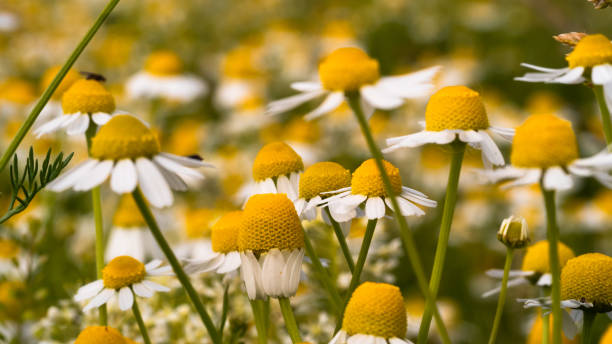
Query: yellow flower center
[[87, 96], [17, 91], [603, 201], [587, 278], [197, 222], [591, 50], [123, 271], [270, 221], [376, 309], [224, 234], [322, 177], [301, 130], [8, 249], [544, 141], [100, 335], [455, 107], [11, 299], [607, 336], [347, 69], [536, 257], [127, 214], [241, 63], [163, 63], [367, 180], [124, 136], [68, 80], [276, 159]]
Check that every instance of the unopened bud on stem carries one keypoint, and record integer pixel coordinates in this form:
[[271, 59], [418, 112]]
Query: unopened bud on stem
[[513, 232]]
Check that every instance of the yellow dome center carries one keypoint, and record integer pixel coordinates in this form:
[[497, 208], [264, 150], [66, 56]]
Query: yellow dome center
[[347, 69], [17, 91], [323, 177], [270, 221], [367, 180], [124, 136], [123, 271], [163, 63], [224, 234], [68, 80], [544, 141], [587, 278], [455, 107], [100, 335], [197, 222], [376, 309], [8, 249], [591, 50], [276, 159], [127, 214], [87, 96], [536, 257]]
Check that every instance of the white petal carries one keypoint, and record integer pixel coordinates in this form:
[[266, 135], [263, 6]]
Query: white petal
[[177, 168], [247, 276], [185, 161], [418, 198], [601, 74], [284, 186], [155, 286], [125, 242], [49, 127], [95, 176], [272, 273], [339, 338], [126, 298], [570, 329], [161, 271], [155, 263], [153, 185], [266, 186], [556, 179], [73, 176], [499, 273], [490, 151], [530, 176], [379, 99], [544, 69], [395, 340], [545, 280], [174, 181], [505, 133], [100, 118], [279, 106], [89, 290], [375, 208], [511, 283], [142, 290], [574, 76], [419, 139], [331, 103], [124, 178], [469, 136], [307, 86], [100, 299], [78, 126], [230, 263], [201, 266]]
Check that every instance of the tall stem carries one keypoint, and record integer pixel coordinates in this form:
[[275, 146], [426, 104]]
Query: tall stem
[[342, 241], [552, 234], [290, 323], [25, 127], [323, 275], [176, 266], [605, 114], [260, 323], [502, 296], [587, 326], [545, 328], [405, 233], [141, 324]]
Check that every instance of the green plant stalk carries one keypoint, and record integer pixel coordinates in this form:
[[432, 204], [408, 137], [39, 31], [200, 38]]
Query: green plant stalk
[[328, 284], [25, 127], [141, 324], [545, 328], [342, 241], [502, 296], [587, 326], [176, 265], [605, 114], [260, 323], [458, 150], [405, 233], [290, 323]]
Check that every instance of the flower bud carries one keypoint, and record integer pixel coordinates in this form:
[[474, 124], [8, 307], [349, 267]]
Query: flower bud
[[570, 38], [513, 232], [600, 4]]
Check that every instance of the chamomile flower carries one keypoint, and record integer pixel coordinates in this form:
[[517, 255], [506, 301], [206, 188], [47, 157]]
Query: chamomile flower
[[277, 169], [544, 148], [122, 278], [271, 244], [367, 190], [456, 112], [586, 283], [100, 334], [53, 108], [375, 314], [350, 69], [128, 152]]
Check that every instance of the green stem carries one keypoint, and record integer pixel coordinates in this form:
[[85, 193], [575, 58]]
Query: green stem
[[342, 241], [141, 324], [546, 328], [502, 296], [552, 234], [323, 275], [605, 114], [458, 149], [176, 265], [587, 326], [290, 323], [405, 233], [25, 127], [260, 323]]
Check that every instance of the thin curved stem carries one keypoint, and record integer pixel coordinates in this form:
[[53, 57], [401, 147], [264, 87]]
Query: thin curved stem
[[323, 275], [502, 296], [546, 328], [605, 114], [141, 324], [342, 241], [260, 323], [290, 323], [587, 326]]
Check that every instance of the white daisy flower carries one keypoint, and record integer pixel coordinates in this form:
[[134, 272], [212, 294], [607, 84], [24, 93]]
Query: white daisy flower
[[277, 169], [122, 278], [585, 283], [350, 69], [128, 152]]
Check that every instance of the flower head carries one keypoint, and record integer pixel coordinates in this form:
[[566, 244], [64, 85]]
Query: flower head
[[513, 232], [87, 96], [323, 177], [100, 335], [367, 179], [163, 63], [71, 77], [586, 279], [124, 137], [123, 271], [590, 51], [224, 233], [456, 107], [536, 258], [276, 159], [347, 69]]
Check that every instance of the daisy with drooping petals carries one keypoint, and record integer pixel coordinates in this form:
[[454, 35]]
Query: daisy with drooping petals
[[350, 69], [123, 277], [456, 112], [277, 169], [100, 334], [375, 314], [586, 284], [128, 152]]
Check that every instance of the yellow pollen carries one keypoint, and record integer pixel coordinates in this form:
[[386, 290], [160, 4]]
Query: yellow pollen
[[591, 50], [11, 299], [68, 80], [536, 257], [276, 159], [367, 181], [123, 137], [100, 335], [87, 96], [198, 221], [586, 278], [123, 271], [455, 107], [270, 221], [17, 91], [163, 63], [544, 141], [224, 234], [8, 249], [127, 214], [322, 177], [347, 69], [376, 309]]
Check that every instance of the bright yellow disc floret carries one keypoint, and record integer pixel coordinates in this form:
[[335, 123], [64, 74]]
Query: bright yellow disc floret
[[347, 69], [276, 159], [8, 249], [100, 335], [376, 309], [163, 63], [124, 136], [127, 214], [270, 221], [68, 80], [123, 271], [455, 107], [587, 278], [536, 257], [591, 50], [367, 181], [323, 177], [544, 141], [87, 96], [224, 233]]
